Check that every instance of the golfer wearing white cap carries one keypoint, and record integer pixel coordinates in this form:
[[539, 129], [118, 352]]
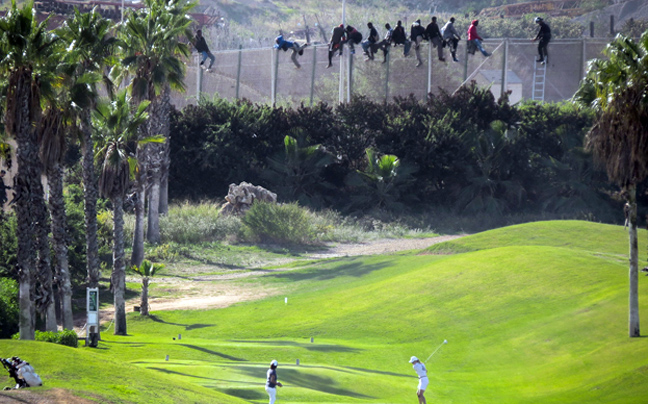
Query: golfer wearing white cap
[[420, 370], [272, 383]]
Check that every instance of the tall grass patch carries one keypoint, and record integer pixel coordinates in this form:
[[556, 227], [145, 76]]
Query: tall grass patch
[[189, 223], [279, 223]]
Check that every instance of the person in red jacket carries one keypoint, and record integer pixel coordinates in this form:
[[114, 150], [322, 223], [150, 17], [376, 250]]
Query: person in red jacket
[[475, 39]]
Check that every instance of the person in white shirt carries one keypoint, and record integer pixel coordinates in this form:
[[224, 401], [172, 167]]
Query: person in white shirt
[[421, 372]]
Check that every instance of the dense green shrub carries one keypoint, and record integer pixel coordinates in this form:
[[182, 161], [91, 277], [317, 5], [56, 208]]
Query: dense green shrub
[[9, 310], [279, 223], [64, 337]]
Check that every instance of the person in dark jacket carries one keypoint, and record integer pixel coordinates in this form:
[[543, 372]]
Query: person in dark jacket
[[433, 34], [417, 34], [544, 35], [201, 47], [368, 45], [354, 37], [399, 37]]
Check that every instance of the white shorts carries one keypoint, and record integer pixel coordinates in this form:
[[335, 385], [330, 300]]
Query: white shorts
[[423, 383]]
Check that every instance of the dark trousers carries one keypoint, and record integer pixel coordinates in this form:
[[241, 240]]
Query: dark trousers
[[542, 48]]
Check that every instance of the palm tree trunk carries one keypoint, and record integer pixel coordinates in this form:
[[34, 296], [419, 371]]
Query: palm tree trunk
[[118, 278], [137, 256], [164, 190], [18, 120], [44, 294], [634, 263], [158, 124], [59, 237], [144, 309], [90, 200], [153, 231]]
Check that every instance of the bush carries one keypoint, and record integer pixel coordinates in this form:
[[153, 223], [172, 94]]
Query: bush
[[9, 310], [65, 337], [189, 223], [279, 223]]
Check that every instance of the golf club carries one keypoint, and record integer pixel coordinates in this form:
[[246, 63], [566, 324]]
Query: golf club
[[445, 341]]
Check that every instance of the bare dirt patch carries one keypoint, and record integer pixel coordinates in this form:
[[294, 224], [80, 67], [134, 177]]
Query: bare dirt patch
[[220, 291], [39, 396]]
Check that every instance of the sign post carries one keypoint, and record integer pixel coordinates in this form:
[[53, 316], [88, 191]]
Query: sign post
[[92, 327]]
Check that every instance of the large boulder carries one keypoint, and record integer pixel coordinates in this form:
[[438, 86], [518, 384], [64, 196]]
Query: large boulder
[[241, 197]]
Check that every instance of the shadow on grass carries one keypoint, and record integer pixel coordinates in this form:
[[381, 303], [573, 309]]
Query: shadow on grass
[[209, 351], [188, 327], [356, 269], [310, 347], [246, 394], [379, 372], [306, 380]]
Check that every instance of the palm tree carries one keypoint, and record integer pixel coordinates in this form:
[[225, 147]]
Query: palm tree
[[152, 47], [53, 145], [617, 89], [89, 46], [116, 127], [147, 270], [26, 48]]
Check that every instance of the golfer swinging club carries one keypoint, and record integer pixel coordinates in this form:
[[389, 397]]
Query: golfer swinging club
[[420, 370], [272, 383]]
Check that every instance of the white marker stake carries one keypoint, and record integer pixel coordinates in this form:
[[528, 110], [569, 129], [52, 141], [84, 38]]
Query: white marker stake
[[286, 300]]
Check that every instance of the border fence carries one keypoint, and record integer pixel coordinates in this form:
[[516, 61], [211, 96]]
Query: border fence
[[269, 76]]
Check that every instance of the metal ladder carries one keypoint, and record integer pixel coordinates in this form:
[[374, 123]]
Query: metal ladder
[[539, 78]]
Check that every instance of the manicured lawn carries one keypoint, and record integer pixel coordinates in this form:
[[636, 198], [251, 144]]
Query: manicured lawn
[[534, 313]]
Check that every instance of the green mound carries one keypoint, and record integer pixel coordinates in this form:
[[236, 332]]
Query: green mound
[[540, 319], [602, 238]]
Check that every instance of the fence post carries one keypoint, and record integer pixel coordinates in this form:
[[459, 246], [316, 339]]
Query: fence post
[[350, 78], [342, 69], [199, 77], [275, 71], [312, 91], [504, 67], [429, 70], [465, 64], [388, 57], [583, 58], [611, 25], [238, 71], [591, 29]]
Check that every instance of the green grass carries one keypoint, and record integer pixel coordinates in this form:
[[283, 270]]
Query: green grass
[[534, 313]]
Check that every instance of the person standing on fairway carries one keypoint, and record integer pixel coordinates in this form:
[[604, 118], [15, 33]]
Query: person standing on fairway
[[421, 371], [272, 383]]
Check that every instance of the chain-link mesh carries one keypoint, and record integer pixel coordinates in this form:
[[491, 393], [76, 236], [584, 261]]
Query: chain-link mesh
[[250, 73]]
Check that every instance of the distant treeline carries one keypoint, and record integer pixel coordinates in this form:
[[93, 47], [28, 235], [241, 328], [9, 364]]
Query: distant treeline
[[465, 153]]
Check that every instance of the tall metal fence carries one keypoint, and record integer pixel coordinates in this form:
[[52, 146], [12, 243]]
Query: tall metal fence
[[269, 76]]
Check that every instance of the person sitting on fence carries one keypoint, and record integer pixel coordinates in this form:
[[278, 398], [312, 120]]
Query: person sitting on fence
[[354, 37], [368, 45], [386, 42], [417, 34], [433, 34], [544, 35], [202, 48], [338, 38], [474, 40], [451, 37], [400, 38], [284, 45]]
